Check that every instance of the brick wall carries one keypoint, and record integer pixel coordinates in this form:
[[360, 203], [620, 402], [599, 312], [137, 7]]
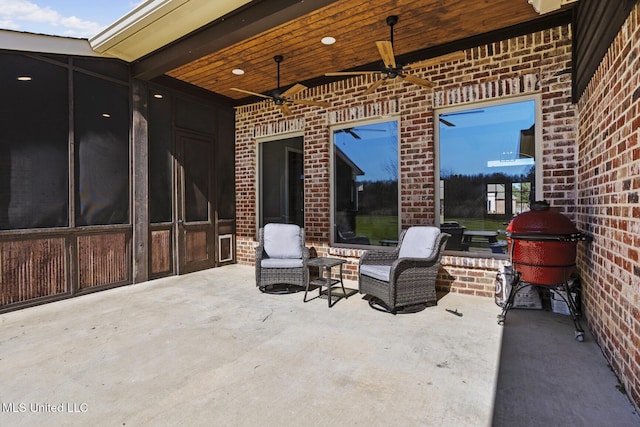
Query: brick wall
[[535, 63], [608, 204]]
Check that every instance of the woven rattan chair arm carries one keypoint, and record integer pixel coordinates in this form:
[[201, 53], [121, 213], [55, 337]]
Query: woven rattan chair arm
[[404, 263], [433, 261], [378, 257]]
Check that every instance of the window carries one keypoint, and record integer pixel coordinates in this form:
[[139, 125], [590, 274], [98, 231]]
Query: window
[[487, 169], [521, 194], [281, 182], [102, 120], [495, 199], [34, 144], [160, 158], [365, 184]]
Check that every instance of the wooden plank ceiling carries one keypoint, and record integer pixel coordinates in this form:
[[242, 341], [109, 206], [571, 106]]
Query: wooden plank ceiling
[[356, 26]]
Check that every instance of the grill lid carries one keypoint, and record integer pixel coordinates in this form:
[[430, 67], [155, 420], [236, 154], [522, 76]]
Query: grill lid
[[542, 222]]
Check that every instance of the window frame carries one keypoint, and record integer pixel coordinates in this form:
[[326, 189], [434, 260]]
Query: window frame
[[258, 162], [332, 163], [499, 196], [537, 98]]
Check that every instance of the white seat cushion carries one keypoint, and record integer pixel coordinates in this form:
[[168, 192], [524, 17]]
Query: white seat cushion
[[380, 272], [419, 242], [281, 263], [282, 241]]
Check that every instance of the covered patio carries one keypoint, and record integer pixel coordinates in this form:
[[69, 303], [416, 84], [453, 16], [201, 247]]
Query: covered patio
[[207, 348]]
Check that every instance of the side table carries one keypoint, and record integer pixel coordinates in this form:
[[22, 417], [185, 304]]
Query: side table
[[325, 265]]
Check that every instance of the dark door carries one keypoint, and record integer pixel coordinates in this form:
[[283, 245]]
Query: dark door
[[295, 189], [194, 224]]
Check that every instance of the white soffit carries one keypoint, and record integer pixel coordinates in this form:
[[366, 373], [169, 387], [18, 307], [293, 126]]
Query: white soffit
[[156, 23], [546, 6], [31, 42]]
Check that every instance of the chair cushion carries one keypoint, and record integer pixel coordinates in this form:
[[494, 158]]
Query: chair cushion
[[281, 263], [282, 241], [419, 242], [380, 272]]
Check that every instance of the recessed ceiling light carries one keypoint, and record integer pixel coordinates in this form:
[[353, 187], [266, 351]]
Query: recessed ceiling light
[[158, 95], [328, 40], [24, 78], [106, 115], [237, 71]]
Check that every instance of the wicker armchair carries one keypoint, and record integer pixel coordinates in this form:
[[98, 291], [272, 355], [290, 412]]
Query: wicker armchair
[[281, 258], [404, 279]]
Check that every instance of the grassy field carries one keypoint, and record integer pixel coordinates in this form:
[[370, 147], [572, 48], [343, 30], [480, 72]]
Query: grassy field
[[481, 224], [377, 227]]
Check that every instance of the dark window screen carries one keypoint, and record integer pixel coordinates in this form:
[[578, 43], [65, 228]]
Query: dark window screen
[[160, 159], [198, 117], [197, 155], [101, 151], [106, 67], [34, 140]]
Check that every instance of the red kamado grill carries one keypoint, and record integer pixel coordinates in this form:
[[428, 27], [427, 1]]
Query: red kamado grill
[[542, 247]]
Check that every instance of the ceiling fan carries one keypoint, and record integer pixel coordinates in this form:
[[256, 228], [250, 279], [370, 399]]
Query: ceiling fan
[[352, 131], [391, 69], [459, 113], [282, 99]]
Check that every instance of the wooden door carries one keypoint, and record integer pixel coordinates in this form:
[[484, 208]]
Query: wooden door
[[194, 218]]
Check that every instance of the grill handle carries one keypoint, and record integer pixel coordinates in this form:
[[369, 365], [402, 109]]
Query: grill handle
[[533, 237]]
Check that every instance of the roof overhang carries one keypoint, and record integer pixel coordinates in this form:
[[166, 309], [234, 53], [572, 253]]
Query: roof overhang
[[31, 42], [546, 6], [157, 23]]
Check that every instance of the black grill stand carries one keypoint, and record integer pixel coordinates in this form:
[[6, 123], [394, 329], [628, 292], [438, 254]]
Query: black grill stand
[[516, 287]]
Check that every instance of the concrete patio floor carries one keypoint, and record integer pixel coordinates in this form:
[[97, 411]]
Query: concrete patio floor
[[208, 348]]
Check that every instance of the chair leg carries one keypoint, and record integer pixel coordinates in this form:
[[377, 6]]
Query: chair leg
[[279, 289], [377, 304]]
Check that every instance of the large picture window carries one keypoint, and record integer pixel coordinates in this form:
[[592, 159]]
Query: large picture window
[[365, 184], [102, 121], [488, 168], [281, 181], [34, 144]]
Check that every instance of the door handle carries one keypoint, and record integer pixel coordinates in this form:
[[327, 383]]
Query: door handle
[[180, 222]]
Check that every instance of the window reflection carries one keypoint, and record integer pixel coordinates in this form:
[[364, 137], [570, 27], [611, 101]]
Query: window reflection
[[487, 172], [282, 182], [365, 184]]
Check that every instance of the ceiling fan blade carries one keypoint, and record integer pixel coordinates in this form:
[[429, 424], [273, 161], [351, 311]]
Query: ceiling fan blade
[[447, 123], [351, 73], [417, 80], [374, 86], [386, 52], [308, 102], [454, 56], [352, 133], [250, 93], [293, 90], [285, 109]]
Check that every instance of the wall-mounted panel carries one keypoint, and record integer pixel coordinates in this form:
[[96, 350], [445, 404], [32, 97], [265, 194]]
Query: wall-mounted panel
[[196, 246], [161, 261], [103, 259], [31, 269]]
